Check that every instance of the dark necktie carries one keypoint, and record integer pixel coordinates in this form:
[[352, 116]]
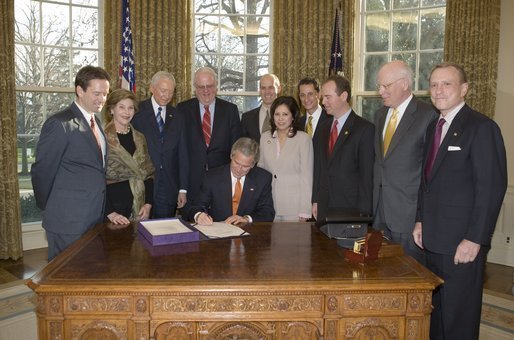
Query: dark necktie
[[160, 122], [266, 126], [206, 125], [333, 137], [436, 141]]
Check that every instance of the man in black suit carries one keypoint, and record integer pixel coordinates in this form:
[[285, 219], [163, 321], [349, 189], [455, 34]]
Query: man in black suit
[[257, 121], [343, 158], [212, 126], [68, 176], [238, 192], [400, 127], [315, 115], [165, 133], [461, 193]]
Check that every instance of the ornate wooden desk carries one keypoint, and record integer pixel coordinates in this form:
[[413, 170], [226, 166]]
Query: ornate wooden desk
[[284, 281]]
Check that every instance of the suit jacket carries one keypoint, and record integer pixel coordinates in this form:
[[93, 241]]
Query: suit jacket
[[226, 130], [169, 157], [463, 196], [215, 196], [303, 120], [250, 124], [68, 176], [292, 173], [344, 179], [397, 175]]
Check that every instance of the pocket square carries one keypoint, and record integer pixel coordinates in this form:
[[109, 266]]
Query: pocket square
[[453, 148]]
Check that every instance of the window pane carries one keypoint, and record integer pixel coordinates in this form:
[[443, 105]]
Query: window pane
[[27, 20], [405, 4], [258, 7], [409, 58], [57, 67], [432, 28], [56, 24], [427, 61], [208, 60], [405, 29], [377, 32], [232, 34], [206, 34], [377, 5], [369, 106], [257, 35], [206, 6], [233, 6], [425, 3], [28, 61], [231, 73], [85, 17], [256, 66], [371, 67], [84, 57], [86, 2]]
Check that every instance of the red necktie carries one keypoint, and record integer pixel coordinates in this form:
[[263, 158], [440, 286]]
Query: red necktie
[[206, 125], [97, 136], [333, 137], [434, 147], [238, 190]]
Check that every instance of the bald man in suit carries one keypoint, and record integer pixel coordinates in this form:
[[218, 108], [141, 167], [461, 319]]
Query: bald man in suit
[[397, 169]]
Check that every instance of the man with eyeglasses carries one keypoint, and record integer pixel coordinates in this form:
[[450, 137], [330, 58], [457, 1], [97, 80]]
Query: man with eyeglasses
[[212, 126], [399, 139], [163, 128]]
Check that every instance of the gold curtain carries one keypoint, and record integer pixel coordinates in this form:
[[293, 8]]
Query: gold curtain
[[472, 37], [302, 39], [10, 222], [161, 38]]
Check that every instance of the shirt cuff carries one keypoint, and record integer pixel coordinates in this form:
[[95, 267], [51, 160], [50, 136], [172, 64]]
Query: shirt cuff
[[249, 218], [184, 191]]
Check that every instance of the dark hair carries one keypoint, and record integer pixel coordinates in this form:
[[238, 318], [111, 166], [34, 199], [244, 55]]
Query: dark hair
[[309, 81], [342, 85], [113, 99], [462, 74], [248, 147], [292, 105], [88, 73]]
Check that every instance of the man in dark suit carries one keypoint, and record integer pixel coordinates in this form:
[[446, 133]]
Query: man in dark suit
[[461, 193], [68, 176], [343, 158], [400, 127], [212, 126], [315, 115], [165, 133], [257, 121], [238, 192]]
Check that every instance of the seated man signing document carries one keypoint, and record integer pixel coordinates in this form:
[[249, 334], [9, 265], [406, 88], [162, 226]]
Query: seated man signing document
[[237, 192]]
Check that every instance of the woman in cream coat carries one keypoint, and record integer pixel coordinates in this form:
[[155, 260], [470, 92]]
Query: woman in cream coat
[[288, 155]]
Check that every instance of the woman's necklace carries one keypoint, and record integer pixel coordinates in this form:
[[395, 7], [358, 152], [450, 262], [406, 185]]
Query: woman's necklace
[[124, 133]]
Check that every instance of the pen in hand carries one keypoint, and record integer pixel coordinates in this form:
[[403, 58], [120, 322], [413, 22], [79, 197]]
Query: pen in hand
[[204, 219]]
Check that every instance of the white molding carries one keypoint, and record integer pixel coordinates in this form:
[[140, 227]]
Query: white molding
[[33, 236], [502, 244]]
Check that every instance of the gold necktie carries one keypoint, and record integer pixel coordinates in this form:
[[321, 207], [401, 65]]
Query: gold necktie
[[391, 127], [308, 127], [266, 125]]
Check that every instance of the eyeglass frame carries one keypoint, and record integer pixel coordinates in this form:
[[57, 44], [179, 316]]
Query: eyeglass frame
[[387, 86]]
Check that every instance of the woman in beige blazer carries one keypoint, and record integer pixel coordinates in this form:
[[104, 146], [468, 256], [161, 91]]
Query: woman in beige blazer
[[288, 155]]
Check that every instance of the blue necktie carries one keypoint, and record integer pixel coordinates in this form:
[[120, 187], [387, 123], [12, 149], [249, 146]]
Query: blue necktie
[[160, 122]]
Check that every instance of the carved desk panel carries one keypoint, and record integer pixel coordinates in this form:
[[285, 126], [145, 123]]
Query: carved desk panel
[[284, 281]]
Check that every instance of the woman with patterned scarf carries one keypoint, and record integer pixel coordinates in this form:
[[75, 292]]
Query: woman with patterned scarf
[[129, 167]]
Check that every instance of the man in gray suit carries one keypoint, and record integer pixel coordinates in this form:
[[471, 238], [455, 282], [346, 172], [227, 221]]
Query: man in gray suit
[[399, 139], [68, 176]]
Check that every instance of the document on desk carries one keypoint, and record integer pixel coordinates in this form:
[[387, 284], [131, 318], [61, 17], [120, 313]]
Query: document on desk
[[220, 230]]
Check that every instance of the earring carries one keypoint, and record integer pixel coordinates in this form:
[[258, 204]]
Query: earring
[[290, 133]]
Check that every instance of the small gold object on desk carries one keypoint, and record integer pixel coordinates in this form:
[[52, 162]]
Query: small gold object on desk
[[365, 250]]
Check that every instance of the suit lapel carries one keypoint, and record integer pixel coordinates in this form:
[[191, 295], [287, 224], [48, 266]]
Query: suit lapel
[[403, 127], [380, 129], [217, 122], [83, 125], [247, 194], [343, 135]]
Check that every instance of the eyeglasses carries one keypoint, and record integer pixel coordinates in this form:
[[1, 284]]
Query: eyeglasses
[[386, 86], [205, 87]]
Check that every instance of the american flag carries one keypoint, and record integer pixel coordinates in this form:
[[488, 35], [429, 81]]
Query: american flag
[[127, 71], [336, 54]]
